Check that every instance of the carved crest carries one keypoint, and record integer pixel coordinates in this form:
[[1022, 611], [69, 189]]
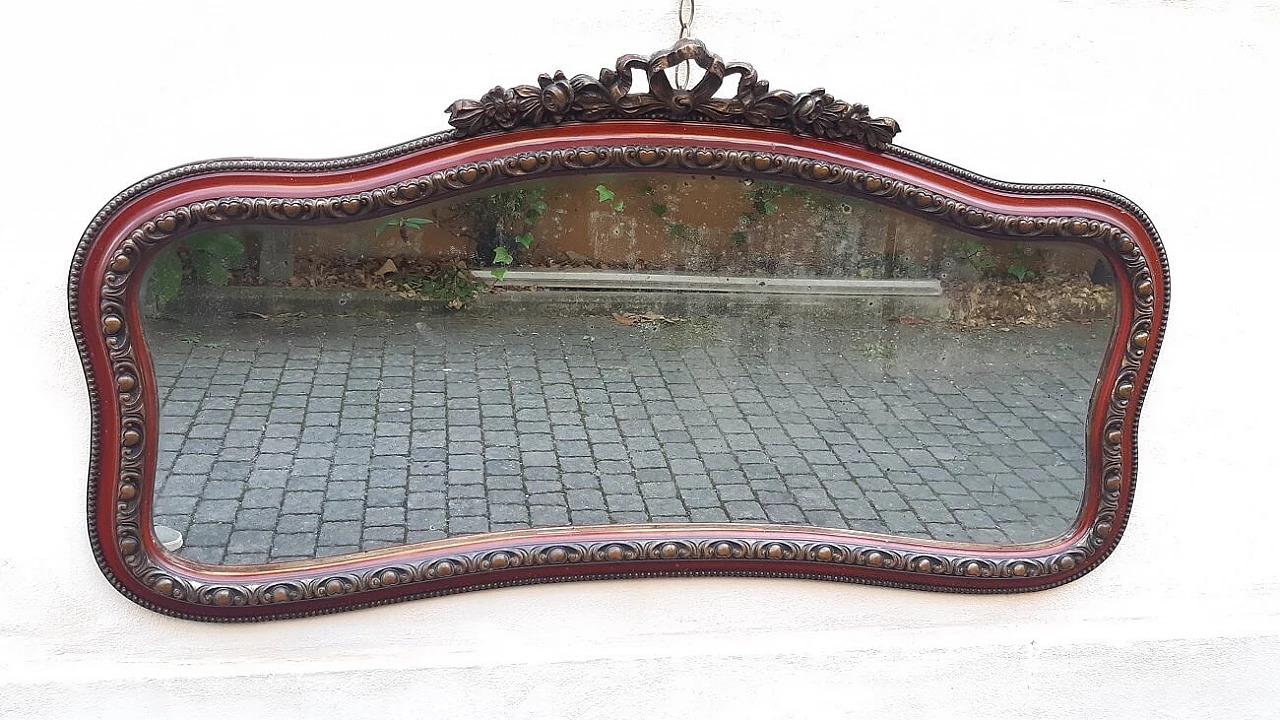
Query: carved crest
[[557, 98]]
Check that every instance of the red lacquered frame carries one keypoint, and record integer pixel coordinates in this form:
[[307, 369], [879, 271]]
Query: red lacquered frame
[[108, 267]]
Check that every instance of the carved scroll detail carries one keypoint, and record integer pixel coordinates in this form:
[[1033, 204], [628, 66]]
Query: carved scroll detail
[[557, 98]]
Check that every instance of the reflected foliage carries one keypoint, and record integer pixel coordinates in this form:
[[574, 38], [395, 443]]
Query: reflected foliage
[[205, 258]]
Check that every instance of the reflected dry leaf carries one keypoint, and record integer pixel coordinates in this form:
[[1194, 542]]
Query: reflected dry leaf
[[648, 319], [251, 315], [1042, 302]]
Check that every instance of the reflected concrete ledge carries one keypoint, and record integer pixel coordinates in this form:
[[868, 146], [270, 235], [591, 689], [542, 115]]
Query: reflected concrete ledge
[[607, 280], [855, 300]]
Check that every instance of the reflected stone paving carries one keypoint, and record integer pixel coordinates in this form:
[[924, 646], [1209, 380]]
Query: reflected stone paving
[[313, 436]]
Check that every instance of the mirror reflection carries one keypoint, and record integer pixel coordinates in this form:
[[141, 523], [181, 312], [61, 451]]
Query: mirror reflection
[[618, 349]]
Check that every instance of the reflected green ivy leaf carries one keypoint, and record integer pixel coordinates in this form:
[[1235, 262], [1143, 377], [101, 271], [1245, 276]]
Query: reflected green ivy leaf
[[166, 276], [209, 269], [225, 247]]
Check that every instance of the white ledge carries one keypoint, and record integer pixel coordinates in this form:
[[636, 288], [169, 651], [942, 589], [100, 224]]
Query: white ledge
[[612, 280]]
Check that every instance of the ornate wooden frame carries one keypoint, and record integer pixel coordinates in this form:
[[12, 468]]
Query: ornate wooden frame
[[567, 126]]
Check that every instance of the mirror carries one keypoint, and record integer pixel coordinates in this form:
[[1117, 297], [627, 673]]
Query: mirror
[[659, 348], [591, 332]]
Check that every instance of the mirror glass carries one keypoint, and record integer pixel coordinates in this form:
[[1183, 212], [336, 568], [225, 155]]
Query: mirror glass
[[619, 349]]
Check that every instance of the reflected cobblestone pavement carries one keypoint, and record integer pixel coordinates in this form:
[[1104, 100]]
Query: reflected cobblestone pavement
[[293, 438]]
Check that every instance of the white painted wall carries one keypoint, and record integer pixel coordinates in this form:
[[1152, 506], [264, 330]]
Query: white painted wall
[[1169, 102]]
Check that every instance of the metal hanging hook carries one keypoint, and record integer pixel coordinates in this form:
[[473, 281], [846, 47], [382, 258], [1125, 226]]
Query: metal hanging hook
[[686, 21]]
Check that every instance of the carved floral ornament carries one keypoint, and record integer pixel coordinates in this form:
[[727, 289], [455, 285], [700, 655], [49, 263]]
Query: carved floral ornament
[[109, 264], [556, 98]]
